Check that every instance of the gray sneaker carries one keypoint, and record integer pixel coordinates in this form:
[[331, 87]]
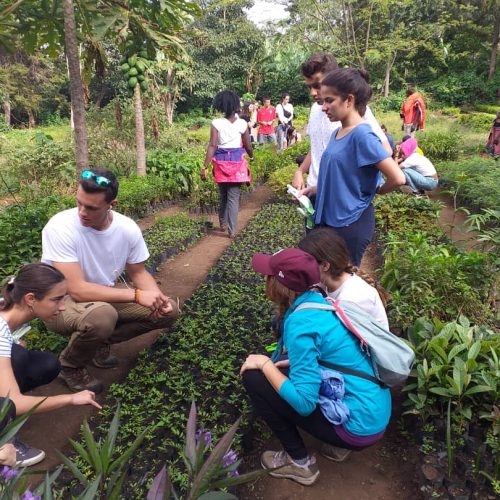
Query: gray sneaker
[[26, 455], [304, 474], [334, 452]]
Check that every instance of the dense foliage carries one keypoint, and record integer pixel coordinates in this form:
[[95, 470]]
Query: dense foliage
[[423, 271], [474, 181]]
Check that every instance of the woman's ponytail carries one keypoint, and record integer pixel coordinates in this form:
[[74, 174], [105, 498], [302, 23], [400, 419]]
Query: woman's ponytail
[[6, 301]]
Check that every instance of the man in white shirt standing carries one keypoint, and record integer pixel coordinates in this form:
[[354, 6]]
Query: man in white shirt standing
[[92, 245], [320, 128]]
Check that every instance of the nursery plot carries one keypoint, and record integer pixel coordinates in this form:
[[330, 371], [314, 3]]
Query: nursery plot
[[200, 358]]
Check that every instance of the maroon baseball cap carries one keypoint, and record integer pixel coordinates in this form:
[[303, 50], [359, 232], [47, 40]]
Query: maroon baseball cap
[[292, 267]]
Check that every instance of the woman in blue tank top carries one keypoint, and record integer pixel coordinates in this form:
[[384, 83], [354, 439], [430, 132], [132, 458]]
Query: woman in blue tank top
[[349, 174]]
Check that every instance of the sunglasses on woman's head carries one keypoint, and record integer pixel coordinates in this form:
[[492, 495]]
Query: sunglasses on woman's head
[[100, 180]]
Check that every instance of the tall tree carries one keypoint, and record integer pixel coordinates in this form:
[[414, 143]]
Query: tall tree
[[76, 87]]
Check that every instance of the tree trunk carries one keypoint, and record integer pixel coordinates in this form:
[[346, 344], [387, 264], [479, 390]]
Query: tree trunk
[[6, 110], [76, 87], [494, 47], [31, 119], [101, 95], [118, 114], [155, 127], [169, 104], [139, 133], [387, 78]]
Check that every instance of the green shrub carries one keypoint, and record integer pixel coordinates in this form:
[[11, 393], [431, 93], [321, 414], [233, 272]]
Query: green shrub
[[473, 180], [431, 280], [455, 89], [138, 195], [492, 109], [439, 146], [391, 103], [179, 169], [44, 159], [450, 111], [21, 227], [279, 179], [477, 121]]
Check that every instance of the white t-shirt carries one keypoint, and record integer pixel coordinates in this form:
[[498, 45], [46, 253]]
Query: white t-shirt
[[320, 130], [357, 290], [281, 115], [419, 163], [6, 339], [102, 255], [230, 133]]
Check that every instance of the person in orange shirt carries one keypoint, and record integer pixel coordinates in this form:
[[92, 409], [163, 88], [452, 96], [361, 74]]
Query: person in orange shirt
[[413, 112]]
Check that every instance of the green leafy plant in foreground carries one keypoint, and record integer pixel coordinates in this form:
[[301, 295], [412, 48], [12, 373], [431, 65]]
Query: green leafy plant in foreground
[[107, 466], [207, 477], [456, 375]]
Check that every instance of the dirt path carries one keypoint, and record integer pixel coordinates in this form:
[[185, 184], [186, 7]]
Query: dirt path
[[453, 221], [180, 277]]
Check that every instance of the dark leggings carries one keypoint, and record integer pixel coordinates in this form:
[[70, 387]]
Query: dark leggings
[[358, 235], [284, 420], [33, 368]]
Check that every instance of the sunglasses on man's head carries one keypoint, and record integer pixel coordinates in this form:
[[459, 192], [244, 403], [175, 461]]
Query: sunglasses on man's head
[[100, 180]]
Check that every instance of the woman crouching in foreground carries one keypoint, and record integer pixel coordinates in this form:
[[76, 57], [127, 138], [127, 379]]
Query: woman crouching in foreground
[[299, 392], [37, 291]]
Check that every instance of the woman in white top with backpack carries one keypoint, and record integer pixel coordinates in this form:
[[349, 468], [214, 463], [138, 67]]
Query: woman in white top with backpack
[[340, 278], [229, 140]]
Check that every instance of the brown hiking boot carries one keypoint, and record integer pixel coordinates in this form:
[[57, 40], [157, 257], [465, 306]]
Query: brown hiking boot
[[104, 359], [79, 379]]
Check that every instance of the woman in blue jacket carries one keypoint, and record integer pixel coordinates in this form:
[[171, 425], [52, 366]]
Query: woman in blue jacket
[[289, 399]]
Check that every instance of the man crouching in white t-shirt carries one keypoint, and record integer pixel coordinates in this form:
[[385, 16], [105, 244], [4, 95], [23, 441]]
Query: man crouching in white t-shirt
[[319, 127], [92, 245]]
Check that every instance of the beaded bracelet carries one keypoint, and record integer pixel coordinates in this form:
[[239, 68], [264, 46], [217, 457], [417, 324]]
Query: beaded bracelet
[[137, 295]]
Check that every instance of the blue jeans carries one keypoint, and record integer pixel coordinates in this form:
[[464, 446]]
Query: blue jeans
[[417, 182], [358, 235], [270, 138], [229, 196], [281, 135]]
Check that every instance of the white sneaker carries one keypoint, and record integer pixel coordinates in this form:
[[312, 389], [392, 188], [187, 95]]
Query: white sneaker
[[27, 455]]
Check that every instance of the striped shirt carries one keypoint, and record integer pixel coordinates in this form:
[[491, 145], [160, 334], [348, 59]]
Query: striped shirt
[[6, 339]]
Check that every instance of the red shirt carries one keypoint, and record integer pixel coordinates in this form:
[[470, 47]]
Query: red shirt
[[266, 115]]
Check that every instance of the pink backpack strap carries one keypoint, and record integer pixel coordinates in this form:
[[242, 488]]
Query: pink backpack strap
[[347, 322]]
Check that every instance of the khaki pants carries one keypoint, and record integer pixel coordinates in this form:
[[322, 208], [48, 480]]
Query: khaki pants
[[93, 324]]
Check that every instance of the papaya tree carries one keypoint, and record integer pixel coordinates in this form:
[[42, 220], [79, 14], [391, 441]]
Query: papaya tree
[[40, 25]]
